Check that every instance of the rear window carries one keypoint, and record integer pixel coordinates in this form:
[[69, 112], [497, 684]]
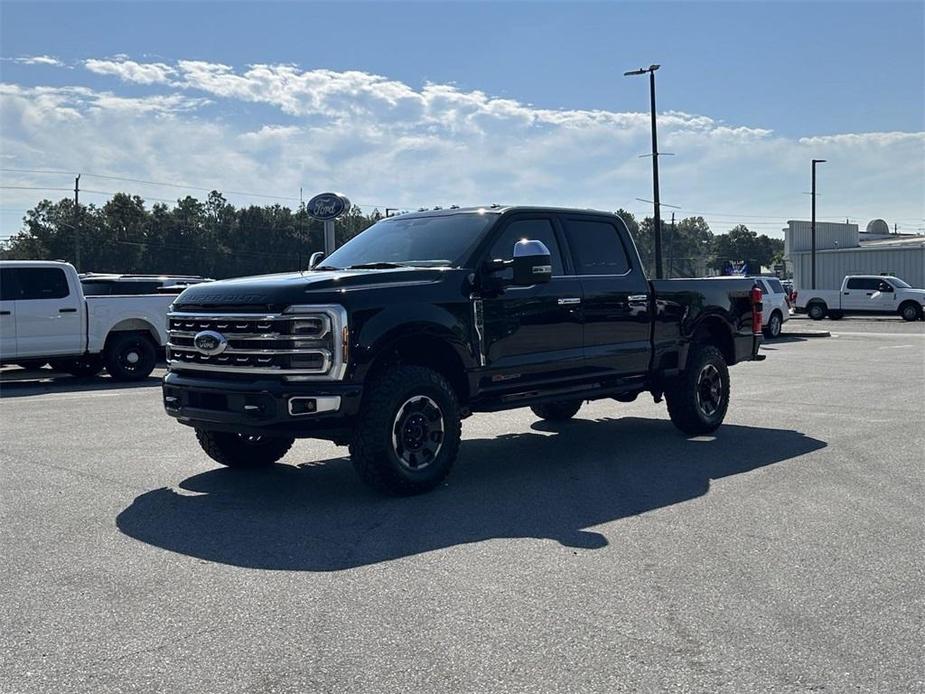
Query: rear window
[[8, 285], [597, 248], [776, 286], [41, 283]]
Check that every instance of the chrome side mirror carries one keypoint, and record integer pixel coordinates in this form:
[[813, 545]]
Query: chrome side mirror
[[315, 259], [532, 263]]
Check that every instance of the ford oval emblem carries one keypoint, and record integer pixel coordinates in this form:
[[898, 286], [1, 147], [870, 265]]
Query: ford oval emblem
[[210, 343], [327, 206]]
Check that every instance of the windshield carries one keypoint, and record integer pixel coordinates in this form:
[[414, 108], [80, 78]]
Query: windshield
[[899, 283], [441, 241]]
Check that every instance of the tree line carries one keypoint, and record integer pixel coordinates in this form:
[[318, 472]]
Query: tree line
[[213, 238]]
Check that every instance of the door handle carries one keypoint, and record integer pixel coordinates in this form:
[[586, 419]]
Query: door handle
[[4, 313], [67, 310], [870, 293], [569, 301], [847, 293], [637, 298]]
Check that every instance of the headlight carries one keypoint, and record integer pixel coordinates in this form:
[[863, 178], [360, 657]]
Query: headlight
[[319, 327]]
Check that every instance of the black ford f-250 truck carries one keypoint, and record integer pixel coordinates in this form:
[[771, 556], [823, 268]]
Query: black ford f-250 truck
[[427, 317]]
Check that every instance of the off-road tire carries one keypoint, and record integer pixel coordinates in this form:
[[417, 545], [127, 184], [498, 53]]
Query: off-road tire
[[775, 323], [817, 310], [557, 411], [130, 356], [684, 406], [242, 450], [910, 311], [81, 367], [376, 448]]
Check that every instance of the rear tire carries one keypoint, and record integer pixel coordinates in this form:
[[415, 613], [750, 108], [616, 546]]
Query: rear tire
[[557, 411], [910, 311], [130, 356], [408, 432], [243, 450], [817, 310], [775, 323], [699, 397]]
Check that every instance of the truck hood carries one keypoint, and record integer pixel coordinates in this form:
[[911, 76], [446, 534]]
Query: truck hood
[[272, 292]]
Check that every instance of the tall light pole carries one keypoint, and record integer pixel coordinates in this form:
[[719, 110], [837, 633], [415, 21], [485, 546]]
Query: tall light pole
[[657, 221], [812, 225]]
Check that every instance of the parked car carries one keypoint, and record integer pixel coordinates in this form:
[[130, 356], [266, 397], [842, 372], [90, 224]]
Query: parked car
[[863, 294], [425, 318], [776, 305], [100, 284], [45, 317]]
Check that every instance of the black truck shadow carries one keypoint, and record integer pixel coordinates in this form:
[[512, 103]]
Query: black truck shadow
[[18, 383], [552, 483]]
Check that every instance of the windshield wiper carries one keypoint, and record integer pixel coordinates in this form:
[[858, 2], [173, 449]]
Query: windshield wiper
[[325, 267], [382, 265]]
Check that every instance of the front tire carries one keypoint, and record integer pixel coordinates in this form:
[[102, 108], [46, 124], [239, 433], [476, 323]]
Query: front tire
[[408, 433], [243, 450], [817, 310], [130, 356], [557, 411], [910, 311], [775, 323], [699, 398]]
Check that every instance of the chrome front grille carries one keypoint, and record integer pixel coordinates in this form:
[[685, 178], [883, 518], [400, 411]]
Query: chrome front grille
[[302, 346]]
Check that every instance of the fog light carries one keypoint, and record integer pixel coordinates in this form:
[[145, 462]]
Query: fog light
[[303, 405]]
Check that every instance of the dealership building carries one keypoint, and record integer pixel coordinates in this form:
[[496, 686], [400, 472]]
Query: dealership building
[[841, 249]]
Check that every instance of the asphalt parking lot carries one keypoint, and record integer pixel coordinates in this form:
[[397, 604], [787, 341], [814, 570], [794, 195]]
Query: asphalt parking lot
[[605, 554]]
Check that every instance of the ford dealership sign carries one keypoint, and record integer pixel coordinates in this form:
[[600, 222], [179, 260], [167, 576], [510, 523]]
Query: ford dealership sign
[[327, 206]]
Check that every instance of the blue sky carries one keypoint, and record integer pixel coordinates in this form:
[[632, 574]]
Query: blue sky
[[435, 103]]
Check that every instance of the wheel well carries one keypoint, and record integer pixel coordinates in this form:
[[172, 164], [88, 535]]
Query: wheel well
[[907, 302], [431, 352], [134, 325], [817, 301], [714, 331]]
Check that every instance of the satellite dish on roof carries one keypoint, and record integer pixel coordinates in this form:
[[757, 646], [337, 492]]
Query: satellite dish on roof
[[878, 226]]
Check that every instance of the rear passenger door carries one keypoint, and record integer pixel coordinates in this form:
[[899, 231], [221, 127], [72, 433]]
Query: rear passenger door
[[48, 315], [8, 294], [858, 294], [615, 303]]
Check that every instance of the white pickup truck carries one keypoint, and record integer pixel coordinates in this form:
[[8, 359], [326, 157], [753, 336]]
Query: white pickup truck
[[45, 317], [863, 294]]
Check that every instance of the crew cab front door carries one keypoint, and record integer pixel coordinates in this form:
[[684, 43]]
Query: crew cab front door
[[532, 334], [615, 306]]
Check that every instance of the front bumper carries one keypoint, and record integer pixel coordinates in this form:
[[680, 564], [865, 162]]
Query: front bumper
[[262, 407]]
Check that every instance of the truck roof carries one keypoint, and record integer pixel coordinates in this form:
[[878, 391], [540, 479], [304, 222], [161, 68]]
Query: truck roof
[[502, 209]]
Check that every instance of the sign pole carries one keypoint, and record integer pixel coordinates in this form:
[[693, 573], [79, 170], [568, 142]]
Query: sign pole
[[328, 237]]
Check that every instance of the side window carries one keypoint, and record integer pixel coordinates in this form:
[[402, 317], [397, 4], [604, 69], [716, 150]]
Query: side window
[[868, 283], [42, 283], [597, 248], [776, 286], [8, 291], [535, 229]]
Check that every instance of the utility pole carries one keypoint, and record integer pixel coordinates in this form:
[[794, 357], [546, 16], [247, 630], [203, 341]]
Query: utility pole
[[301, 217], [813, 224], [657, 220], [674, 235], [77, 222]]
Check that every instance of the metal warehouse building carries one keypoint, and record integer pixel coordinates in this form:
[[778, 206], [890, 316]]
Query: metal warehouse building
[[842, 250]]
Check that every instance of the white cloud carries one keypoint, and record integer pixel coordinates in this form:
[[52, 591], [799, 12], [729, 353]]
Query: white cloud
[[130, 71], [384, 142], [39, 60]]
